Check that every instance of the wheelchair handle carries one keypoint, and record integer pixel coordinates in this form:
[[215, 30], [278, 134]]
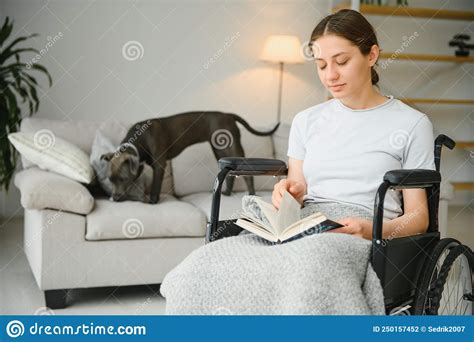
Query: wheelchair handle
[[439, 142]]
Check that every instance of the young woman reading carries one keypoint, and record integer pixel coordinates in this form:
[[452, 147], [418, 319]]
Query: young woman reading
[[339, 150]]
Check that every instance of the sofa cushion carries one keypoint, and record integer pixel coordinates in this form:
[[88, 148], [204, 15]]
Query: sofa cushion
[[43, 189], [52, 153], [132, 220], [230, 207], [67, 130], [102, 145], [195, 169], [114, 129]]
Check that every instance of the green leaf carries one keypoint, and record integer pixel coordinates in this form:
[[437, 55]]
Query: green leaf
[[18, 40], [16, 86], [4, 56], [7, 50], [5, 31], [43, 69], [30, 78]]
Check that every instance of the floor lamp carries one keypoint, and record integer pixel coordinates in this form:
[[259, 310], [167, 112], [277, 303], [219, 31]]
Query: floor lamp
[[282, 49]]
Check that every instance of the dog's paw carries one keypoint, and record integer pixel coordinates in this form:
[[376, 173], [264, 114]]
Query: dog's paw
[[154, 200]]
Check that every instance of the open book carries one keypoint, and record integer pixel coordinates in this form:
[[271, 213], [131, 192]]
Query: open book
[[278, 225]]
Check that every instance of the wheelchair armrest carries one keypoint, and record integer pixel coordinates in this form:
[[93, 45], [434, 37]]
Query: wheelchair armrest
[[253, 166], [234, 166], [403, 179], [412, 178]]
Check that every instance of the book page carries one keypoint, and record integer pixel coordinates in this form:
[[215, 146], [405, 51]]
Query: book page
[[273, 219], [315, 218], [302, 225], [251, 217], [255, 228], [288, 213], [271, 214], [251, 207]]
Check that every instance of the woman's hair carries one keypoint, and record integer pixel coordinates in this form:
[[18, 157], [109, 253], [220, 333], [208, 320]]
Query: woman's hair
[[351, 25]]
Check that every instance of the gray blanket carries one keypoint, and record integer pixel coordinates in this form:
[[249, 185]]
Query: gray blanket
[[320, 274]]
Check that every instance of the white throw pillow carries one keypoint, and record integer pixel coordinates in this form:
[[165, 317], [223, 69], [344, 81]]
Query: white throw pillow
[[100, 146], [52, 153]]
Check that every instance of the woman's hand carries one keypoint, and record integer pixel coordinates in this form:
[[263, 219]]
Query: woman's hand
[[296, 189], [355, 226]]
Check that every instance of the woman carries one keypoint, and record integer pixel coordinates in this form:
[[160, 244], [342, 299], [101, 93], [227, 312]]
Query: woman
[[339, 150]]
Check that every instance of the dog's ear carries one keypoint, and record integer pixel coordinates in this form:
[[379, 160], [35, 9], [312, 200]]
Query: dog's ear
[[107, 156], [134, 163]]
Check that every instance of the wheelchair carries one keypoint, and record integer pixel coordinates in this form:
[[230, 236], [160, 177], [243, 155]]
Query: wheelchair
[[421, 274]]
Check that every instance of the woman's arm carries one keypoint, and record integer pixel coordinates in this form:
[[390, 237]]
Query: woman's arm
[[294, 183], [295, 173], [414, 220]]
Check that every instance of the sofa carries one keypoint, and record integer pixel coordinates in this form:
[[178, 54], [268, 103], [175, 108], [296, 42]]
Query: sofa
[[75, 239]]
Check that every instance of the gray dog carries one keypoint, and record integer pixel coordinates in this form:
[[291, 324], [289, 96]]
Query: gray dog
[[155, 141], [129, 179]]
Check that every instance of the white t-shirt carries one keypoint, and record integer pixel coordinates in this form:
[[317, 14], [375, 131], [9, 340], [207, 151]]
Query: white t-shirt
[[346, 152]]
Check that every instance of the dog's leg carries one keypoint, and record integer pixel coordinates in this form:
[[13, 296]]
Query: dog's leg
[[229, 185], [229, 180], [158, 173], [250, 184]]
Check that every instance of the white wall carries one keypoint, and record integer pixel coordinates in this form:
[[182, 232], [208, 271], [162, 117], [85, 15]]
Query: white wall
[[93, 80]]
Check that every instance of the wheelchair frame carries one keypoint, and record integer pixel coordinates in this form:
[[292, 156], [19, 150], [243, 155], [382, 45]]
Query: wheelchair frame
[[400, 263]]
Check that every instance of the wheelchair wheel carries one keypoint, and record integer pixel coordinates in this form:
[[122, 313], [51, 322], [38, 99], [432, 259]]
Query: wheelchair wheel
[[423, 301], [452, 294]]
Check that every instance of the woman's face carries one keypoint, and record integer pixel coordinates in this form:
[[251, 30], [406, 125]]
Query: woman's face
[[342, 68]]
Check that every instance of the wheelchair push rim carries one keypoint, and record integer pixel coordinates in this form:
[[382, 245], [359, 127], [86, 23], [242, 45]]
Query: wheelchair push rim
[[423, 303], [453, 289]]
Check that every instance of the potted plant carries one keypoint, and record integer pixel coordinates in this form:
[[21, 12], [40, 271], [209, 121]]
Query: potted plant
[[17, 92]]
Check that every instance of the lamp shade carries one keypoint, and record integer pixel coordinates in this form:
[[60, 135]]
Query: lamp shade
[[282, 48]]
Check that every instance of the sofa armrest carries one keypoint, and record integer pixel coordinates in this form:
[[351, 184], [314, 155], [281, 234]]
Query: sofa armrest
[[48, 190]]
